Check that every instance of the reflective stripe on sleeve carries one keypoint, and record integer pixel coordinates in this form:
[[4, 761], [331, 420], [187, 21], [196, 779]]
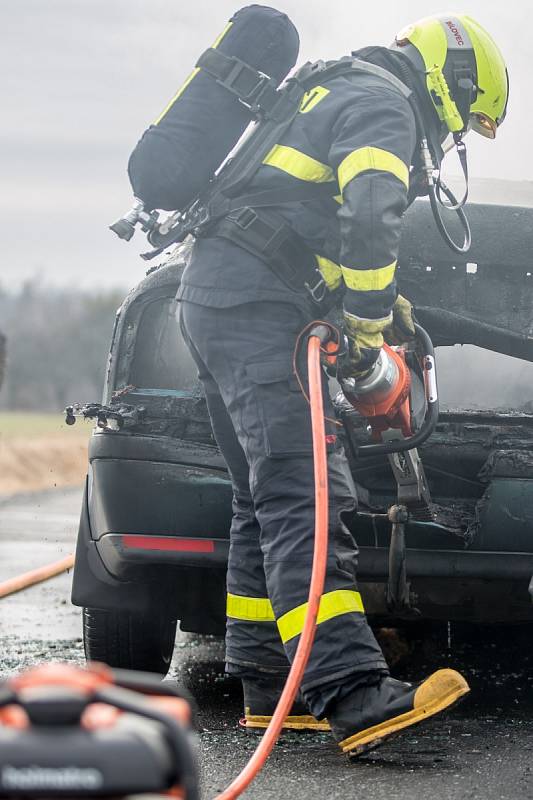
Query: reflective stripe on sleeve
[[332, 604], [366, 158], [298, 165], [251, 609], [193, 74], [361, 326], [330, 271], [367, 280]]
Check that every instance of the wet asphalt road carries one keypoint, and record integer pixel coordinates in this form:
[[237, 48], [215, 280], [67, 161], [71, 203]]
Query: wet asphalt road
[[482, 749]]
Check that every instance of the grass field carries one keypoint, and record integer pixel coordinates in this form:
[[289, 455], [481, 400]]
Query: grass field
[[39, 451], [29, 424]]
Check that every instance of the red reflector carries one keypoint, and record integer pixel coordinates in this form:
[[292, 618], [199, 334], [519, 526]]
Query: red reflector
[[331, 438], [169, 543]]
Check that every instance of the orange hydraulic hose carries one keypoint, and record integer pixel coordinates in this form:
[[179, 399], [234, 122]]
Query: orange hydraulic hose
[[294, 679], [34, 576]]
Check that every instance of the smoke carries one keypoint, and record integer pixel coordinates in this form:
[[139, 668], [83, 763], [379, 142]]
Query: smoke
[[472, 378]]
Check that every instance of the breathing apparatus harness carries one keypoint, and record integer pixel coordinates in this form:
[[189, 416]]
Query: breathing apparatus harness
[[224, 210]]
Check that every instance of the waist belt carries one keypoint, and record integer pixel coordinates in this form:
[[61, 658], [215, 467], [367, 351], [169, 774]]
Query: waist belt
[[267, 236]]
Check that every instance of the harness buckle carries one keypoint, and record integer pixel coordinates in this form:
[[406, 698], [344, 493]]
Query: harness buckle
[[244, 218], [247, 83], [201, 216], [319, 290]]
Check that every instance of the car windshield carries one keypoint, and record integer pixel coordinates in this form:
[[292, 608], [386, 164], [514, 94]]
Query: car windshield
[[162, 360]]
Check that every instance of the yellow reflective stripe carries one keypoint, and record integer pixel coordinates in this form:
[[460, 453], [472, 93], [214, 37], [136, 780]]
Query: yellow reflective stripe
[[330, 271], [332, 604], [221, 36], [371, 158], [368, 280], [178, 94], [252, 609], [298, 164], [193, 74], [363, 329], [313, 98]]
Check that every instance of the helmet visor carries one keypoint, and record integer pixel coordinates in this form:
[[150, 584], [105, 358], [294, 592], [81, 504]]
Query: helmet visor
[[482, 124]]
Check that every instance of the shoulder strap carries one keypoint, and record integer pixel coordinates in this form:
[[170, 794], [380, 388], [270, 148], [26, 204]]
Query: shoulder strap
[[267, 132], [357, 65]]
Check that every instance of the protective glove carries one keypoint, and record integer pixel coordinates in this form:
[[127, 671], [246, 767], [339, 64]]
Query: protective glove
[[402, 327], [365, 340]]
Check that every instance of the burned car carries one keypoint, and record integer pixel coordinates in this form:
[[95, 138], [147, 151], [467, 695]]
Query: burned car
[[154, 530]]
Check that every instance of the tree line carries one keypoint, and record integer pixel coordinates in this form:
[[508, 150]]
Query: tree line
[[56, 345]]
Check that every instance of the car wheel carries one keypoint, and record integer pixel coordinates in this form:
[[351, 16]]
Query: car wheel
[[126, 640]]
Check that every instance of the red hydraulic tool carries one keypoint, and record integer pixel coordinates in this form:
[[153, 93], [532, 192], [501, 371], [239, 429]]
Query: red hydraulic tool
[[399, 399]]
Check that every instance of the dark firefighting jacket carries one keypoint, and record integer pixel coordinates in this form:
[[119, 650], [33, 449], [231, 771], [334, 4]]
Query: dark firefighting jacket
[[358, 134]]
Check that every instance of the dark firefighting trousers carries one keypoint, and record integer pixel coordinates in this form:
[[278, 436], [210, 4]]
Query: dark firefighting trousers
[[261, 422]]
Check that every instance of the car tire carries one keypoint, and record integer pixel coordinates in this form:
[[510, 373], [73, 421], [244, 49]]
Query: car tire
[[127, 640]]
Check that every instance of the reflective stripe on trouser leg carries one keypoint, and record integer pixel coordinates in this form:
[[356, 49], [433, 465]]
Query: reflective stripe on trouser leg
[[253, 644], [333, 604], [249, 609]]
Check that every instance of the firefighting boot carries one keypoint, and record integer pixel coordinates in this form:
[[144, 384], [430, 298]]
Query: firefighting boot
[[260, 701], [370, 714]]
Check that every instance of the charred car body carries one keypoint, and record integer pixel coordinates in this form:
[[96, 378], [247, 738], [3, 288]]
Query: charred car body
[[154, 530]]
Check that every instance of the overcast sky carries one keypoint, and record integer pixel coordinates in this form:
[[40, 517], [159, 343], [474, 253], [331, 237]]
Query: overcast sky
[[82, 79]]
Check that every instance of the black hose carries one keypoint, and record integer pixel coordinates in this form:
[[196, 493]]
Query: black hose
[[457, 207]]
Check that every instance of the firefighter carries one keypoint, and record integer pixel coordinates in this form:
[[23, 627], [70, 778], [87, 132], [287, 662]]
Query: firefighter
[[241, 320]]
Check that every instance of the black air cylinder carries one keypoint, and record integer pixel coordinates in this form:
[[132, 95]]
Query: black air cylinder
[[178, 154]]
